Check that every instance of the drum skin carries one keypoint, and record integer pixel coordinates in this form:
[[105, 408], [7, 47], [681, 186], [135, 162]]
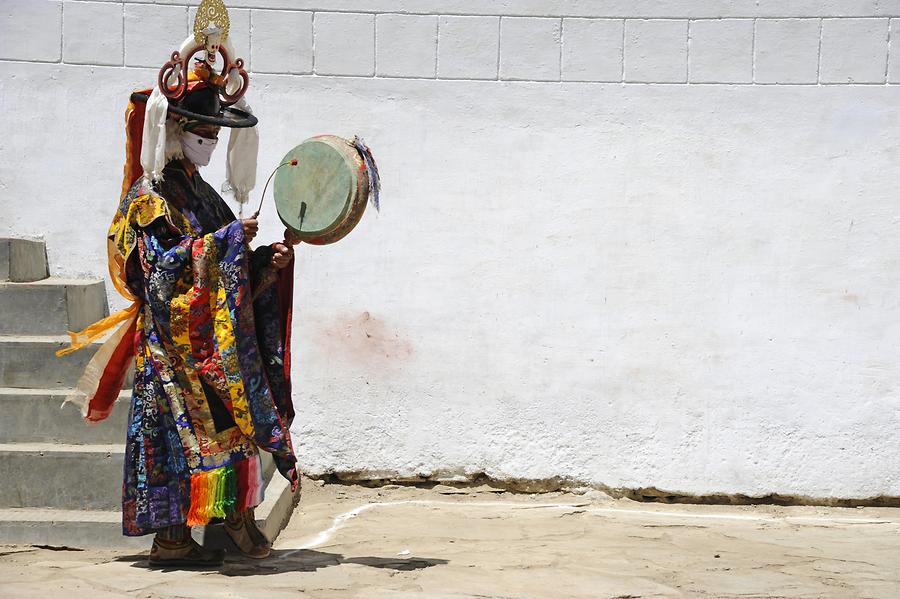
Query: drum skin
[[324, 196]]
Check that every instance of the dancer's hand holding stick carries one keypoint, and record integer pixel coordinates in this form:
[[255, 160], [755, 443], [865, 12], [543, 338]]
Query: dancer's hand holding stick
[[251, 227]]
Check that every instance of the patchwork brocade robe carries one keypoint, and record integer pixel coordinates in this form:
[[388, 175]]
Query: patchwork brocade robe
[[212, 357]]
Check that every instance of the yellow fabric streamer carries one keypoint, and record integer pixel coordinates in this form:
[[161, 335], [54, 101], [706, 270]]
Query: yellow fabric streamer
[[96, 330]]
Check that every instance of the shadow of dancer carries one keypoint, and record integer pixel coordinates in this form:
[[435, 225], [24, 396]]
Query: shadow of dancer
[[294, 560]]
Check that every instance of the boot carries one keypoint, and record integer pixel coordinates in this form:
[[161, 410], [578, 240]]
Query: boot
[[246, 537], [258, 537], [185, 553]]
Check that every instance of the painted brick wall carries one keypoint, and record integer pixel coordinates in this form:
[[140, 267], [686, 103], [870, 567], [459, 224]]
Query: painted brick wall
[[628, 242], [670, 42]]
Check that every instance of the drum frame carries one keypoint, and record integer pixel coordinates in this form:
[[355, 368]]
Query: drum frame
[[354, 208]]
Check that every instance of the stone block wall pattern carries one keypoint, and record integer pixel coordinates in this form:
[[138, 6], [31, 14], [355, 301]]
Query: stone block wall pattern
[[893, 71], [854, 50], [530, 48], [406, 45], [288, 46], [787, 50], [83, 21], [345, 44], [817, 42], [656, 51], [31, 30], [629, 243], [721, 51], [143, 49], [468, 47], [592, 49]]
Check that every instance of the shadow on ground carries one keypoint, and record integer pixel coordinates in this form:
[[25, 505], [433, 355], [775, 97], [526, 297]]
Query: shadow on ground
[[296, 560]]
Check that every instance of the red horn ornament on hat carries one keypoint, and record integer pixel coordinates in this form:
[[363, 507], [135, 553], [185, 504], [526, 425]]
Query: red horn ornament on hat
[[178, 66]]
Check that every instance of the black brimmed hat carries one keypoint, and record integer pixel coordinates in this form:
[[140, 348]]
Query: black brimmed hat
[[201, 103]]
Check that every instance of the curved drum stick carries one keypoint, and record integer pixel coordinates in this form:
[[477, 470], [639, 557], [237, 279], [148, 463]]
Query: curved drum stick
[[288, 163]]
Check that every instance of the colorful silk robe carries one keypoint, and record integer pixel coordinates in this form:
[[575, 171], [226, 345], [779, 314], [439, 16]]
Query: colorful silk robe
[[211, 354]]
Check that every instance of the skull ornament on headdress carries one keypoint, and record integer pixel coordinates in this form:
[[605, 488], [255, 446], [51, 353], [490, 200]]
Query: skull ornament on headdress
[[211, 26]]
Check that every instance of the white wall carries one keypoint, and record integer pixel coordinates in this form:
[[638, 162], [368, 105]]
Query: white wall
[[628, 243]]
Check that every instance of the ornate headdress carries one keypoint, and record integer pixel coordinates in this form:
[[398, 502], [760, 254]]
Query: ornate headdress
[[196, 93]]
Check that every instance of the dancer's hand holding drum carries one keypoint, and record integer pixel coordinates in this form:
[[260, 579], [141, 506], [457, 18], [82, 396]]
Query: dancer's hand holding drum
[[291, 238], [282, 255]]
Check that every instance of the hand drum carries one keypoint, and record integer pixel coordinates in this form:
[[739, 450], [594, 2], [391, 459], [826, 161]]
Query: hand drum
[[324, 196]]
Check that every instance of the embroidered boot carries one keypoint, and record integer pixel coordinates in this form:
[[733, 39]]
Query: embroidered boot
[[246, 537], [178, 549], [258, 537]]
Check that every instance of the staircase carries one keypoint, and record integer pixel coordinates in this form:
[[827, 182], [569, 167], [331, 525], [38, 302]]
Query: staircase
[[61, 477]]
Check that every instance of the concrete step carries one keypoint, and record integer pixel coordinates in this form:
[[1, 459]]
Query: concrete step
[[51, 306], [61, 476], [67, 528], [274, 513], [40, 416], [23, 260], [28, 362], [66, 476], [103, 528]]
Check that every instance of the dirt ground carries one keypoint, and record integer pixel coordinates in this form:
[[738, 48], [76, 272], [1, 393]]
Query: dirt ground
[[403, 542]]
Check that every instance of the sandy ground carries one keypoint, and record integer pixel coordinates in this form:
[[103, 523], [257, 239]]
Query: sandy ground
[[402, 542]]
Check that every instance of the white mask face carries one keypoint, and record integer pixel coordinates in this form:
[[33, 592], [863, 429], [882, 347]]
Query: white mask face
[[197, 149]]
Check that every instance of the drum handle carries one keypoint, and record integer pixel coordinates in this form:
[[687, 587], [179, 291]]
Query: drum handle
[[288, 163]]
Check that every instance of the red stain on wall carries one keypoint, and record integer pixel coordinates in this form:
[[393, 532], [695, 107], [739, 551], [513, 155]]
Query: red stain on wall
[[363, 339]]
